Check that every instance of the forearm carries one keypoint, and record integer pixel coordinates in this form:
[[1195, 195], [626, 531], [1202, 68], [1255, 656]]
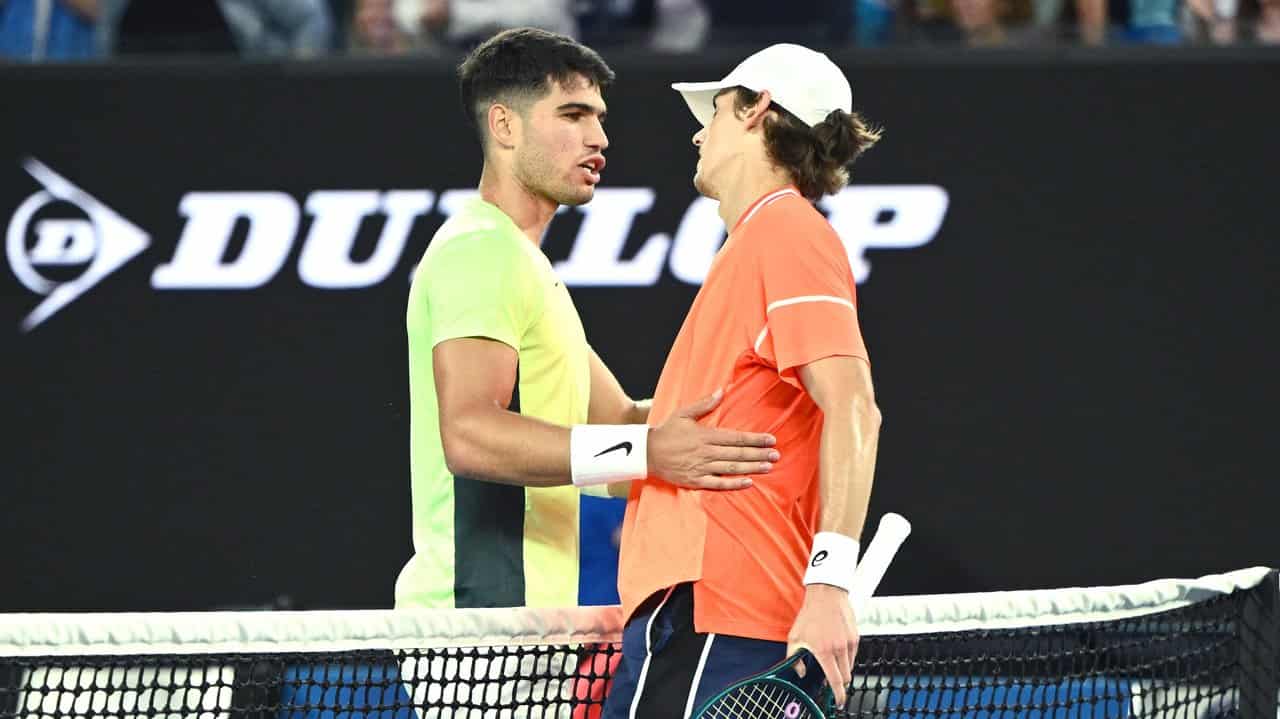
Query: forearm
[[625, 411], [826, 624], [500, 446], [847, 461], [609, 402]]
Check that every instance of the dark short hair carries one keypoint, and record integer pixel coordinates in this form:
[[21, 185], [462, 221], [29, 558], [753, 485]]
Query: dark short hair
[[522, 63], [817, 157]]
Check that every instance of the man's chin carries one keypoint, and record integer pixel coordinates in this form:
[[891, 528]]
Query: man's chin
[[703, 187], [577, 196]]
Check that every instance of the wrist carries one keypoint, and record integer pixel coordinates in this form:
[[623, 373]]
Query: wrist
[[607, 453], [831, 561]]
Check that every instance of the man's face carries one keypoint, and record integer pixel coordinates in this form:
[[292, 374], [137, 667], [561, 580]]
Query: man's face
[[561, 151], [719, 146]]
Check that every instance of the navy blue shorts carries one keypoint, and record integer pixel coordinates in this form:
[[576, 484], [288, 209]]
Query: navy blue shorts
[[668, 670]]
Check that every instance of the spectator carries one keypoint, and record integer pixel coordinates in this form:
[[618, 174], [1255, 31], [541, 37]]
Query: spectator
[[257, 28], [1211, 20], [874, 21], [40, 30], [977, 18], [756, 21], [1269, 23], [298, 28], [1091, 17], [1153, 22], [662, 25], [340, 12], [136, 27], [680, 25], [1224, 21], [395, 25], [374, 28]]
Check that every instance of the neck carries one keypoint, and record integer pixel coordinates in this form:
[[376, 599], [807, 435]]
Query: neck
[[754, 180], [531, 212]]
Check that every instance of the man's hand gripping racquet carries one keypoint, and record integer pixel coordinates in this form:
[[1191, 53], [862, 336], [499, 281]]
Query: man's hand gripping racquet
[[775, 693]]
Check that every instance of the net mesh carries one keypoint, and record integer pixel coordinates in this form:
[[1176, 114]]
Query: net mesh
[[1200, 650], [526, 681], [1196, 661]]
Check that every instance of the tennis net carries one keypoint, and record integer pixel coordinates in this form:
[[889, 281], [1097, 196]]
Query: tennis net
[[1191, 649]]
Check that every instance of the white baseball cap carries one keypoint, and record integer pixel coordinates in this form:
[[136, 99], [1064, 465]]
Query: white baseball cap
[[804, 82]]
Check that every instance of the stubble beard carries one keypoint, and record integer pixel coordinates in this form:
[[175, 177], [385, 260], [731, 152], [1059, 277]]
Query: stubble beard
[[537, 173]]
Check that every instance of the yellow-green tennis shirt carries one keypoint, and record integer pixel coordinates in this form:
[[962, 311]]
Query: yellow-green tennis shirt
[[476, 543]]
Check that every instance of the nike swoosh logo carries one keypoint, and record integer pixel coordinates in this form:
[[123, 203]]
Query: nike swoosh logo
[[626, 446]]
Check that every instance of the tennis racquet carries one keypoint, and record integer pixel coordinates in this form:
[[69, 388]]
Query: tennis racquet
[[777, 693]]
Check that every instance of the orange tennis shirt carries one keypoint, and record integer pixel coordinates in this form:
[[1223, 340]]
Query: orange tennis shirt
[[779, 295]]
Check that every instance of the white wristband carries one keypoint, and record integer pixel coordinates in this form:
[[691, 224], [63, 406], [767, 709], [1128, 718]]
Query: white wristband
[[605, 453], [832, 561]]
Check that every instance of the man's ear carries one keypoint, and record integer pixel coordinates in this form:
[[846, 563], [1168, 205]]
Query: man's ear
[[503, 123], [755, 114]]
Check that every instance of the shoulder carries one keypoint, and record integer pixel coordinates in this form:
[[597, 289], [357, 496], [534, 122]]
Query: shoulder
[[474, 241], [788, 225]]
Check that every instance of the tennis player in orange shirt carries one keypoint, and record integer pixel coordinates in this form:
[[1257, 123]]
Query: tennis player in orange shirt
[[719, 585]]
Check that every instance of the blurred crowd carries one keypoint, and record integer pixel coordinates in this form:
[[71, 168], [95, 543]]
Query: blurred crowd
[[38, 30]]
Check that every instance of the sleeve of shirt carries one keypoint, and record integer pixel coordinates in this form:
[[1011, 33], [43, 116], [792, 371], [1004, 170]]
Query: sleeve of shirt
[[476, 286], [810, 301]]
